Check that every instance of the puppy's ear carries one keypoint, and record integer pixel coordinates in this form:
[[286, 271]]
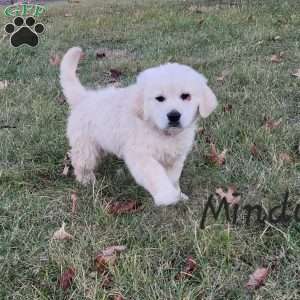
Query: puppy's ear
[[208, 101]]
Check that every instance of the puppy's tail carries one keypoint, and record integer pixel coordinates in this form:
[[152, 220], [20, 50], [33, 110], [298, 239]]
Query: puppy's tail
[[72, 88]]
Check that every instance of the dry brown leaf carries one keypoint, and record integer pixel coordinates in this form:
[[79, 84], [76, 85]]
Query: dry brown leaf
[[227, 108], [115, 74], [123, 207], [296, 73], [3, 84], [55, 60], [231, 196], [271, 124], [223, 75], [74, 198], [67, 165], [107, 257], [255, 151], [188, 270], [61, 234], [66, 279], [258, 278], [277, 58], [215, 158], [285, 157], [100, 53]]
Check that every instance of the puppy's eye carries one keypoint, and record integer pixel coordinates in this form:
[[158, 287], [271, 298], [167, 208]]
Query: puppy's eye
[[160, 98], [185, 96]]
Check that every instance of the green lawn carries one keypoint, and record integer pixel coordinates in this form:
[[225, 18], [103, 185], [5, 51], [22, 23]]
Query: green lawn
[[236, 40]]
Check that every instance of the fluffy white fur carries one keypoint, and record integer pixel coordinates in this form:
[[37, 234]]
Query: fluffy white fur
[[132, 124]]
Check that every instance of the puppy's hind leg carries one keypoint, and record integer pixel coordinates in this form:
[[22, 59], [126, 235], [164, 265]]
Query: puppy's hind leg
[[84, 156]]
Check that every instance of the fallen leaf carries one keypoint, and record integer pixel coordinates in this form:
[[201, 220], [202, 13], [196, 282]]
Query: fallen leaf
[[277, 58], [3, 84], [66, 279], [113, 249], [271, 124], [100, 54], [255, 151], [123, 207], [107, 281], [231, 196], [55, 60], [68, 15], [258, 278], [223, 75], [67, 165], [285, 157], [188, 270], [115, 74], [227, 108], [61, 234], [201, 130], [107, 257], [296, 73], [74, 198], [217, 159]]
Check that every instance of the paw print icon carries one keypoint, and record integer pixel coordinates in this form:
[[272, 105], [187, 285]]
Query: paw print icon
[[24, 32]]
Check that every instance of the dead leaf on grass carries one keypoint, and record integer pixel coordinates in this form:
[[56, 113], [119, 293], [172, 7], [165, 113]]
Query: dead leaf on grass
[[67, 165], [227, 107], [115, 74], [214, 157], [255, 151], [285, 157], [55, 60], [100, 54], [271, 124], [188, 270], [107, 257], [66, 279], [123, 207], [258, 278], [277, 58], [223, 75], [61, 234], [231, 196]]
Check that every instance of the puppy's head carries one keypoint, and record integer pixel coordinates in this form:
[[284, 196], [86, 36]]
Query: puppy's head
[[174, 95]]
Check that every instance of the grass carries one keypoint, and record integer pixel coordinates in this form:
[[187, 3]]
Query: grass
[[35, 198]]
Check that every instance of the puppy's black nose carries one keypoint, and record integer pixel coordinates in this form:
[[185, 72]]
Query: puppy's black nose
[[174, 116]]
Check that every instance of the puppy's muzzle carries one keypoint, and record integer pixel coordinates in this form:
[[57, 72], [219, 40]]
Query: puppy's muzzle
[[174, 118]]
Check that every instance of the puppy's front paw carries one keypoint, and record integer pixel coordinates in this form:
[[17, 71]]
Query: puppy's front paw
[[184, 197], [167, 197]]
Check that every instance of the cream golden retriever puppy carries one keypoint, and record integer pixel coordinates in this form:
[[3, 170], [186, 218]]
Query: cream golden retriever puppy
[[150, 124]]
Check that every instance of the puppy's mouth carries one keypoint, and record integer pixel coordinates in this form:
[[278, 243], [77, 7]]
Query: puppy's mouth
[[174, 125], [173, 129]]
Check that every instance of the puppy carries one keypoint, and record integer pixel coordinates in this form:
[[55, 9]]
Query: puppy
[[150, 124]]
